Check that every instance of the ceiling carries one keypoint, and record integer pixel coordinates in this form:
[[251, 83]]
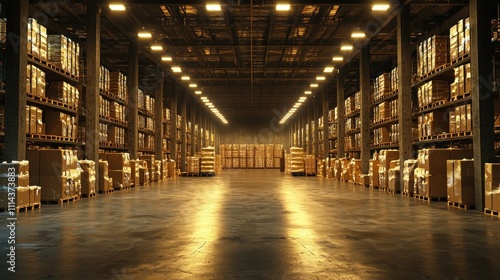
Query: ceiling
[[248, 58]]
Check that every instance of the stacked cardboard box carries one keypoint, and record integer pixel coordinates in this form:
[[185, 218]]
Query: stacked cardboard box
[[164, 169], [60, 124], [352, 103], [297, 160], [337, 169], [141, 99], [104, 107], [393, 175], [144, 176], [119, 169], [260, 156], [105, 182], [394, 79], [431, 54], [460, 181], [269, 155], [118, 112], [56, 171], [64, 53], [207, 160], [381, 135], [88, 177], [462, 83], [134, 171], [355, 166], [460, 119], [157, 170], [15, 176], [433, 123], [394, 133], [431, 174], [116, 135], [149, 105], [385, 158], [382, 86], [345, 169], [118, 84], [492, 186], [149, 159], [63, 92], [34, 122], [37, 39], [459, 39], [432, 92], [373, 171], [104, 80], [146, 141], [352, 141], [310, 165], [193, 165], [35, 81], [409, 175]]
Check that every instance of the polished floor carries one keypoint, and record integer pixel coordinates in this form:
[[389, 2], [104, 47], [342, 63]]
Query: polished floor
[[253, 224]]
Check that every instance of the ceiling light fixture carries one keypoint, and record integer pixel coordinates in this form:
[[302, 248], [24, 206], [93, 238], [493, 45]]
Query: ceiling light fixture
[[185, 78], [380, 7], [320, 78], [176, 69], [144, 34], [328, 69], [198, 92], [117, 7], [358, 34], [307, 92], [282, 7], [166, 58], [156, 48], [346, 47], [193, 85], [337, 58], [314, 85], [303, 98], [213, 7], [206, 101]]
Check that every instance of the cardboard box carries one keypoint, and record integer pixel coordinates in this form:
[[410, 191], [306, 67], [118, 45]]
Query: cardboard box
[[409, 167], [143, 176], [54, 162], [35, 195], [118, 161], [121, 179], [464, 182], [450, 181], [103, 176], [488, 195], [434, 186], [394, 179], [55, 187]]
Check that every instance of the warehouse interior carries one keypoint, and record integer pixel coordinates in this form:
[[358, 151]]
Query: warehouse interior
[[260, 139]]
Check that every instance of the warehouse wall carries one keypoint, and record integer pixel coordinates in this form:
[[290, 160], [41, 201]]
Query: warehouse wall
[[253, 132]]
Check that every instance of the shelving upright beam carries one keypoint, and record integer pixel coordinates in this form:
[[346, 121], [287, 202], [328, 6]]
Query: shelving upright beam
[[193, 124], [132, 105], [365, 107], [173, 118], [340, 114], [158, 135], [15, 92], [326, 106], [183, 131]]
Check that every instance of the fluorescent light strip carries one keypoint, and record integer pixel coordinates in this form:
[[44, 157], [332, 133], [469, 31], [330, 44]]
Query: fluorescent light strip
[[328, 69], [338, 58], [380, 7], [156, 48], [213, 7], [166, 58], [117, 7], [346, 48], [144, 34], [282, 7], [358, 35]]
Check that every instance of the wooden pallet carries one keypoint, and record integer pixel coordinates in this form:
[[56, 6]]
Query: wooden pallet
[[25, 208], [62, 200], [407, 194], [431, 198], [373, 187], [393, 191], [461, 206], [107, 191], [207, 174], [86, 195], [461, 96], [432, 105], [491, 212], [455, 61]]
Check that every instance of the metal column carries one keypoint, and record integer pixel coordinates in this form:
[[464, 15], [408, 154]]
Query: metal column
[[200, 122], [340, 114], [326, 106], [15, 92], [158, 118], [92, 89], [364, 69], [482, 94], [404, 87], [173, 118], [132, 105], [309, 132], [183, 131], [316, 124], [192, 151]]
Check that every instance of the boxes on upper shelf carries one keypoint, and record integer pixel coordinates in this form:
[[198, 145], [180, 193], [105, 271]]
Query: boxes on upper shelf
[[35, 81], [63, 92]]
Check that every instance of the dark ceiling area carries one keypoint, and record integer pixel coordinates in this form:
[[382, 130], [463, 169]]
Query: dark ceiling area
[[248, 58]]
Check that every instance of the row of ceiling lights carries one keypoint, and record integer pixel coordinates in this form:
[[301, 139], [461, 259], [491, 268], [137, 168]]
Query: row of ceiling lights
[[279, 7], [329, 69], [145, 34]]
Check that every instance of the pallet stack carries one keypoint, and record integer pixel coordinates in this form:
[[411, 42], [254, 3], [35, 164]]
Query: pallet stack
[[27, 196], [492, 188], [119, 169], [297, 161], [88, 177], [193, 166], [460, 183], [207, 161]]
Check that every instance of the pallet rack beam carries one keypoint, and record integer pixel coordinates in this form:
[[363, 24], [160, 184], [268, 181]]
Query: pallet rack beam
[[482, 94], [326, 106], [92, 87], [340, 114], [16, 61], [158, 125], [173, 118], [132, 106], [404, 87], [364, 70]]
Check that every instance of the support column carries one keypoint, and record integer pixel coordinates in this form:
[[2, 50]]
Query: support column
[[193, 123], [173, 118], [364, 70], [200, 123], [132, 105], [316, 125], [483, 135], [92, 89], [404, 87], [326, 106], [340, 114], [158, 118], [309, 132], [15, 91], [183, 131]]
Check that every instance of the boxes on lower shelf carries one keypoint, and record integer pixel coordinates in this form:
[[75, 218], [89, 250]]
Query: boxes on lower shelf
[[460, 181], [88, 178], [492, 186]]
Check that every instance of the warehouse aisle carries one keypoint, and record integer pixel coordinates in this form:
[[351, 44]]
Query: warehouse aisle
[[254, 224]]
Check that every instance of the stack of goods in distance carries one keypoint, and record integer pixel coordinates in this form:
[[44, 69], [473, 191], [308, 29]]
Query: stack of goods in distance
[[64, 53], [118, 85], [63, 92]]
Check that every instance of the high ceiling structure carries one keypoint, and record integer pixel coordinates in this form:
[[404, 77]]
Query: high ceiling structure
[[249, 58]]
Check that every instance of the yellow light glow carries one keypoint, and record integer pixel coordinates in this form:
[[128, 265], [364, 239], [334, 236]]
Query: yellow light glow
[[320, 78], [176, 69], [198, 92], [358, 35], [193, 85], [144, 34], [337, 58], [307, 92], [185, 78], [166, 58], [117, 7], [213, 7], [205, 101], [328, 69], [156, 48], [314, 85], [346, 48], [282, 7], [380, 7]]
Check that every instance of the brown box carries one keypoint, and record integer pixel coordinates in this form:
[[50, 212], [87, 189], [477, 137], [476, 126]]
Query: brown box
[[394, 179], [103, 176], [450, 181], [118, 161], [488, 195], [468, 117], [35, 195], [134, 173], [452, 122], [464, 182], [54, 187], [53, 163], [120, 178], [409, 175], [88, 183], [434, 186], [143, 176]]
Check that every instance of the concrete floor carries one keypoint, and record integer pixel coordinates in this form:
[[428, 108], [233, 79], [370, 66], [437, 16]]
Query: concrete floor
[[253, 224]]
